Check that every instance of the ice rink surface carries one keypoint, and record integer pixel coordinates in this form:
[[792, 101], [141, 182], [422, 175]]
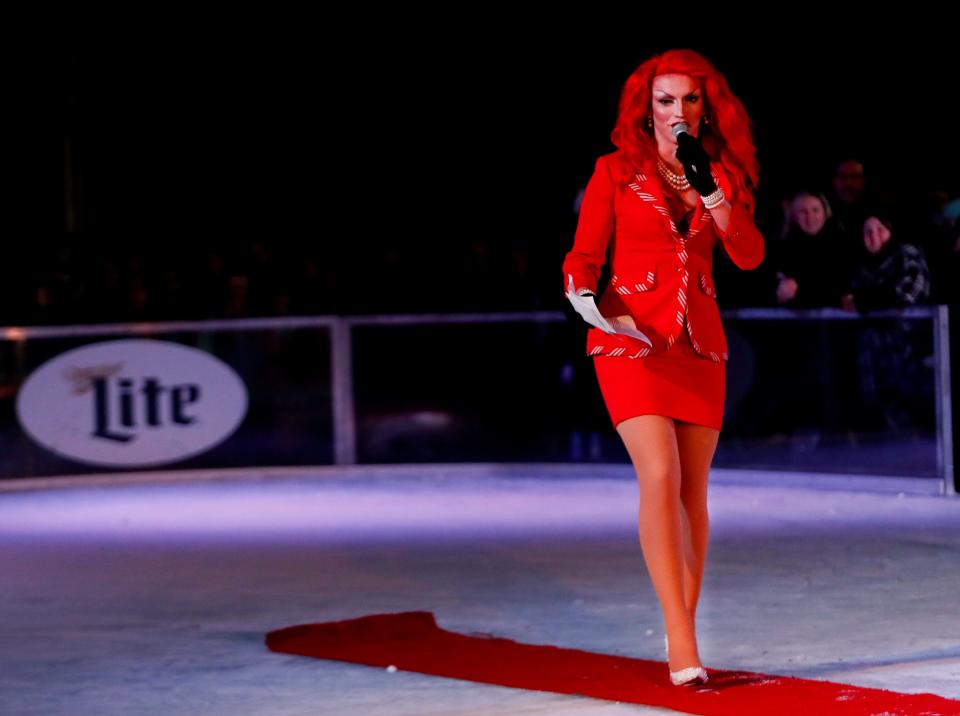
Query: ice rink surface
[[153, 596]]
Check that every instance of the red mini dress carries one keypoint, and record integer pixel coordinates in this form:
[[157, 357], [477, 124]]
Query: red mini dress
[[678, 383]]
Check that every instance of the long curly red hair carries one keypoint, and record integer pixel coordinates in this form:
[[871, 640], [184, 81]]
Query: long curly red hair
[[727, 136]]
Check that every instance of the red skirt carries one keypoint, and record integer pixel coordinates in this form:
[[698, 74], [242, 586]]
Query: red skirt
[[678, 383]]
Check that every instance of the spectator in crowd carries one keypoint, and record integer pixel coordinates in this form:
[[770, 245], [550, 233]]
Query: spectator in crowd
[[893, 273], [811, 263], [890, 353], [848, 195]]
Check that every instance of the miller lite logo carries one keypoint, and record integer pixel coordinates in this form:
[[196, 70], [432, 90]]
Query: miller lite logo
[[131, 403]]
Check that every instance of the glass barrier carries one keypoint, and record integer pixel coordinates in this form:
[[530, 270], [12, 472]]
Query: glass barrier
[[807, 391], [811, 391], [827, 391]]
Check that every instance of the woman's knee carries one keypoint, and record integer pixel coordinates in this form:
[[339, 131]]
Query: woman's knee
[[660, 482], [652, 445]]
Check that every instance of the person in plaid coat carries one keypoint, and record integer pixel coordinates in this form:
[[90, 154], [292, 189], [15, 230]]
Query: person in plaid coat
[[894, 376], [893, 274]]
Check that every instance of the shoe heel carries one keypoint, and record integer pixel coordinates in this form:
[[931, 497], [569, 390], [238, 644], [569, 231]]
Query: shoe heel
[[692, 675]]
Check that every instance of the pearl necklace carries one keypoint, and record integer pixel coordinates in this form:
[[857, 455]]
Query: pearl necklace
[[677, 181]]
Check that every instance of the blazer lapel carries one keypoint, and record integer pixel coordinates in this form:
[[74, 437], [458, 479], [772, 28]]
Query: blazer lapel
[[648, 187]]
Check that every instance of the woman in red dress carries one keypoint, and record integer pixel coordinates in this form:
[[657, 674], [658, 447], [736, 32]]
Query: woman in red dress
[[681, 180]]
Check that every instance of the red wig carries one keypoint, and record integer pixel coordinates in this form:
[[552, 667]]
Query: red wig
[[726, 135]]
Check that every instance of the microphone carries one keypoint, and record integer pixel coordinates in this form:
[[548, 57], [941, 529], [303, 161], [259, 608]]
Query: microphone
[[681, 130]]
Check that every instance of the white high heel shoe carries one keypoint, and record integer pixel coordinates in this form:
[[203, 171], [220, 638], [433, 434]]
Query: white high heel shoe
[[692, 675]]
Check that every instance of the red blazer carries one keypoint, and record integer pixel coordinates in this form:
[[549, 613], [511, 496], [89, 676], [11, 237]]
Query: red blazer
[[660, 278]]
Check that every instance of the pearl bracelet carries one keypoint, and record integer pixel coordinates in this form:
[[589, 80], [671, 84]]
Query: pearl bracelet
[[712, 201]]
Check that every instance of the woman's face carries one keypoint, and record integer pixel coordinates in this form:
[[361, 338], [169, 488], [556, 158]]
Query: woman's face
[[676, 98], [875, 234], [808, 213]]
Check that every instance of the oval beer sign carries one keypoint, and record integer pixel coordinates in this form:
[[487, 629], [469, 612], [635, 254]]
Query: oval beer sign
[[129, 403]]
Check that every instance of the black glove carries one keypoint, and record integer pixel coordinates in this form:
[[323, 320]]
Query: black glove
[[696, 163]]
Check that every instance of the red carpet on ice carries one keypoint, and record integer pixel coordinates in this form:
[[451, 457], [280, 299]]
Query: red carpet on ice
[[412, 641]]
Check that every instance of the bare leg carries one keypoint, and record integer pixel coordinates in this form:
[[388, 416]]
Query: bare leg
[[697, 445], [651, 441]]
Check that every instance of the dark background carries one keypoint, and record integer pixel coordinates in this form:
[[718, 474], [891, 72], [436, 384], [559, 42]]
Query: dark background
[[160, 164], [432, 137]]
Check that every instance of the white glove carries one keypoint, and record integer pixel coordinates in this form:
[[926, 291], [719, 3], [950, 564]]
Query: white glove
[[587, 308]]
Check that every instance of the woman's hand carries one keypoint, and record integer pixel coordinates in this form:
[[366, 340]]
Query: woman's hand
[[623, 320], [786, 289]]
